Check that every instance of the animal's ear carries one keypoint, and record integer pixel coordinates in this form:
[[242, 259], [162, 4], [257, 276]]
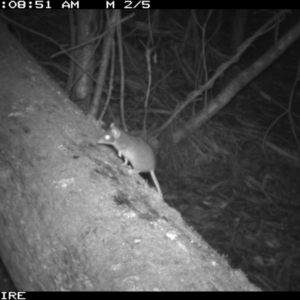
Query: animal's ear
[[115, 132]]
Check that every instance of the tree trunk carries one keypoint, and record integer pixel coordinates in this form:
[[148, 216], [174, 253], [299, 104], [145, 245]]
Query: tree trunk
[[86, 28], [71, 217]]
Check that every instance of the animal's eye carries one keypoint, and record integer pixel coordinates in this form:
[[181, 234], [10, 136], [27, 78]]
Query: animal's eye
[[107, 137]]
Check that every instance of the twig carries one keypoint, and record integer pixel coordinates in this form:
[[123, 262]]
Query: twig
[[194, 94]]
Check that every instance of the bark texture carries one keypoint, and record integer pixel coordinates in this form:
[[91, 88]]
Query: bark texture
[[73, 218]]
